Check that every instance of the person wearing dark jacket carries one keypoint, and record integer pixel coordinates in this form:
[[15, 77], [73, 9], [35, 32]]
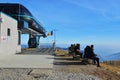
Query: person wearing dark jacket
[[89, 53]]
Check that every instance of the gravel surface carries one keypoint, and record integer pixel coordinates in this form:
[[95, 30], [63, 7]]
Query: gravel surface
[[73, 72], [15, 74], [42, 74], [68, 76]]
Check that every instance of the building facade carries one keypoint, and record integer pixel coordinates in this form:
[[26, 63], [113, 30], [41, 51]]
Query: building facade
[[9, 35]]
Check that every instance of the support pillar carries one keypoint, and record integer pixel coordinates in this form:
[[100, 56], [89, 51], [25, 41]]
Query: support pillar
[[38, 41]]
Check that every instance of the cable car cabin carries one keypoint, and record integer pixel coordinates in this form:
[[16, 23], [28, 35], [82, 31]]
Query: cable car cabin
[[32, 43]]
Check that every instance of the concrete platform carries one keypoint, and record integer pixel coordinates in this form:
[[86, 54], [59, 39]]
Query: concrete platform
[[26, 61]]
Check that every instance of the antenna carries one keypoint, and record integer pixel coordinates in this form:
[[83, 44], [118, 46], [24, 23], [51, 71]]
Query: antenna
[[54, 43]]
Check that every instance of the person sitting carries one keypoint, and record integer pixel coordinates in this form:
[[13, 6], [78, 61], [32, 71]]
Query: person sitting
[[77, 50], [74, 50], [89, 53]]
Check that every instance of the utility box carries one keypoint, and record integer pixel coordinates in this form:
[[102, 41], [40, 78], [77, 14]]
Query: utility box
[[9, 35]]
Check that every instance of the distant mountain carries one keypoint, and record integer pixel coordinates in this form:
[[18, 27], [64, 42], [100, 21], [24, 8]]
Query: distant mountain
[[24, 46], [115, 56], [62, 48]]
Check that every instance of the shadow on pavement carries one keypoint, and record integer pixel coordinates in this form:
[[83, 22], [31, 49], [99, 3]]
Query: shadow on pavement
[[67, 61]]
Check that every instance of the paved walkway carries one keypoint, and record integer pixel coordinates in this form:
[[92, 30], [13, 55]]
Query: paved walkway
[[26, 61]]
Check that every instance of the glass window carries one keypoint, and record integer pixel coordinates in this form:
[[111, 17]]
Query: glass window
[[8, 32], [19, 37]]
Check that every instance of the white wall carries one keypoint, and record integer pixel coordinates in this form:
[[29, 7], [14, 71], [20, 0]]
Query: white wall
[[8, 44]]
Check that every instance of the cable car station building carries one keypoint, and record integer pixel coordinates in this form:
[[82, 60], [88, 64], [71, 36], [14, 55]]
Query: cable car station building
[[15, 20]]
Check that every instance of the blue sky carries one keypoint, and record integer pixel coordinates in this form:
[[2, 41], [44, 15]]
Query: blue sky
[[78, 21]]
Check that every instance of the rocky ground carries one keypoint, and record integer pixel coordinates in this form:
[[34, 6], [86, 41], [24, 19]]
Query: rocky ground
[[42, 74], [64, 69], [87, 72]]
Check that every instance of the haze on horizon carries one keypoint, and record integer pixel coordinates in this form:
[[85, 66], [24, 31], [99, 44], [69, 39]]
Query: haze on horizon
[[78, 21]]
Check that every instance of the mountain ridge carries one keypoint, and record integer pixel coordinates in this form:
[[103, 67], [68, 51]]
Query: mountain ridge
[[114, 56]]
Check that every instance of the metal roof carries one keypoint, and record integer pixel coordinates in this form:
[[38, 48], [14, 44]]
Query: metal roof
[[21, 13]]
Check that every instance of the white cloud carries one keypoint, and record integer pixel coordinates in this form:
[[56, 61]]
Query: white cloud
[[109, 9]]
